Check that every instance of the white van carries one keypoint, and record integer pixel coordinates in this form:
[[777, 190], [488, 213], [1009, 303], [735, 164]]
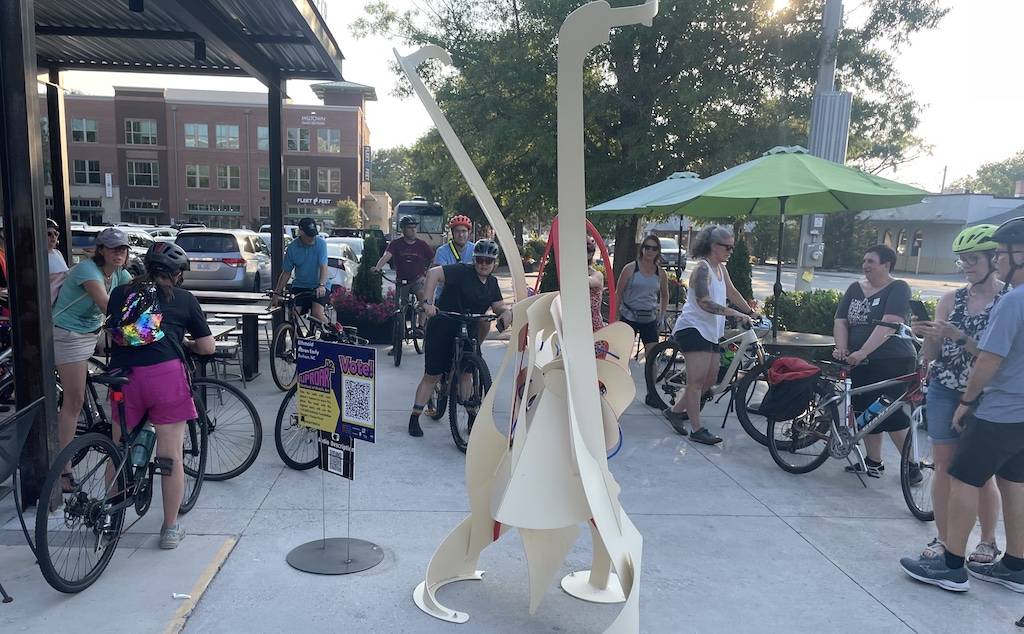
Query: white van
[[289, 230]]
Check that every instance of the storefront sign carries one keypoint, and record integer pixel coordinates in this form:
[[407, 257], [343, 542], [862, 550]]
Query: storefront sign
[[367, 163], [314, 119], [336, 388], [318, 202]]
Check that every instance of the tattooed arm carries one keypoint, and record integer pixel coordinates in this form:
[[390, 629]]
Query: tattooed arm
[[701, 281]]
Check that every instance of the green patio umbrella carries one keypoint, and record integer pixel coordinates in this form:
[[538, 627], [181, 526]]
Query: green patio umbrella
[[787, 180]]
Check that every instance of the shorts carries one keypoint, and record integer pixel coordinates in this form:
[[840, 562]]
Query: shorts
[[876, 370], [439, 344], [71, 347], [690, 340], [648, 332], [415, 285], [941, 404], [988, 449], [161, 391], [306, 301]]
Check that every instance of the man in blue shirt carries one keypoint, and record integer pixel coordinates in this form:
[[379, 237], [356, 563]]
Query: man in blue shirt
[[458, 250], [307, 257]]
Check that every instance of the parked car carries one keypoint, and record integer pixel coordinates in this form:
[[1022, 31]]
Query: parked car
[[265, 236], [341, 265], [83, 245], [162, 232], [355, 243], [671, 254], [290, 230], [225, 260]]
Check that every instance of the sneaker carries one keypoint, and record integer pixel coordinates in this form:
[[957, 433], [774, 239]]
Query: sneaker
[[705, 437], [874, 470], [414, 427], [171, 537], [916, 477], [935, 572], [652, 401], [998, 573], [935, 548], [676, 420]]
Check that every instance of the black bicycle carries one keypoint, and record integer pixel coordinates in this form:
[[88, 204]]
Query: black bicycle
[[298, 324], [404, 328], [296, 443]]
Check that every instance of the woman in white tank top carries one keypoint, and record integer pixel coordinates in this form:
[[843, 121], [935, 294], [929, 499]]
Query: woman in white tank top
[[701, 325]]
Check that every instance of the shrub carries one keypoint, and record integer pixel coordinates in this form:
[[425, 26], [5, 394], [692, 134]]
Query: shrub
[[366, 285], [549, 278], [805, 311], [534, 249], [739, 269]]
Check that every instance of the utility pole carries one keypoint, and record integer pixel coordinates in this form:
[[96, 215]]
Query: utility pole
[[830, 130]]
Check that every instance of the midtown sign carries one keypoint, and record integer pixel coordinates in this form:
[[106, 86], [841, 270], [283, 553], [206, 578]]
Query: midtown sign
[[314, 119]]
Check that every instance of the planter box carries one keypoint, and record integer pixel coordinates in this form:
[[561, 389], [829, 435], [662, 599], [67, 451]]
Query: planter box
[[374, 331]]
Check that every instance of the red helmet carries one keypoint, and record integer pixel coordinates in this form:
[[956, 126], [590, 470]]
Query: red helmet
[[460, 220]]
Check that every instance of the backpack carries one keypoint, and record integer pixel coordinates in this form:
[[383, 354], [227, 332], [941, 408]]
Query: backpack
[[791, 383], [138, 321]]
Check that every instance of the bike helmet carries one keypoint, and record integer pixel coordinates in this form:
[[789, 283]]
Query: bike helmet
[[975, 239], [1010, 232], [308, 227], [407, 221], [460, 221], [166, 257], [486, 249], [51, 224]]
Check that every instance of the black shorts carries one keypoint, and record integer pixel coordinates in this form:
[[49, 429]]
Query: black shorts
[[306, 301], [690, 340], [439, 343], [648, 332], [876, 370], [988, 449]]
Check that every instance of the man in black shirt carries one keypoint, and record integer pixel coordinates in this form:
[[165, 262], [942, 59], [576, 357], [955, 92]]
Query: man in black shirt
[[466, 290]]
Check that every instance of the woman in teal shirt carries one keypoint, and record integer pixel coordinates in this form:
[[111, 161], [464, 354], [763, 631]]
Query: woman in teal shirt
[[78, 317]]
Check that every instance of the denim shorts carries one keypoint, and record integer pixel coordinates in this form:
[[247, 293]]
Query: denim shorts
[[941, 404]]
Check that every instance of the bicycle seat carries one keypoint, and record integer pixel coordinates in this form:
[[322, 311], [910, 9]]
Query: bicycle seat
[[110, 380]]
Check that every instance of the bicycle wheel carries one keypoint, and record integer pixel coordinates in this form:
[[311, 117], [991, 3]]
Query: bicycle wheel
[[747, 396], [234, 430], [438, 399], [297, 445], [665, 373], [282, 356], [397, 338], [74, 546], [917, 448], [801, 445], [463, 411], [195, 453], [410, 320]]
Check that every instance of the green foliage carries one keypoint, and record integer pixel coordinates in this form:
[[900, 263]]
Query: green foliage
[[996, 178], [739, 269], [765, 240], [549, 278], [392, 172], [346, 214], [534, 249], [367, 285], [805, 311], [846, 238]]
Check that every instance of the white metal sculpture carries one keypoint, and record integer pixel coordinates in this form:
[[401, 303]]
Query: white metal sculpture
[[549, 474]]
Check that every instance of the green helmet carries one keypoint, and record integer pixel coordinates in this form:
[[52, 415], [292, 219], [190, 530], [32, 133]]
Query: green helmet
[[974, 239]]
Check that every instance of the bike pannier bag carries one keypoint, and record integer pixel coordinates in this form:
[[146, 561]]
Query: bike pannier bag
[[791, 384]]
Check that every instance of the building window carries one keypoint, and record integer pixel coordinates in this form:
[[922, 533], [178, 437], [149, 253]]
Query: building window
[[298, 180], [83, 131], [264, 214], [264, 178], [263, 138], [229, 177], [296, 213], [887, 238], [197, 135], [328, 141], [140, 131], [328, 180], [143, 205], [143, 173], [197, 176], [227, 136], [298, 139], [86, 172], [215, 215], [915, 246], [901, 242]]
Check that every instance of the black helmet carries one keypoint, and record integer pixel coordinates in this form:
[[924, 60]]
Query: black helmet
[[166, 257], [51, 224], [1010, 232], [308, 227], [486, 249], [407, 221]]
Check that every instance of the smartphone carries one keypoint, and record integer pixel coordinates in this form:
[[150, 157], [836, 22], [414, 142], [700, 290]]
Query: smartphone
[[920, 310]]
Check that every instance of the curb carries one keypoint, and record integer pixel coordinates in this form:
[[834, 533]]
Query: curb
[[177, 622]]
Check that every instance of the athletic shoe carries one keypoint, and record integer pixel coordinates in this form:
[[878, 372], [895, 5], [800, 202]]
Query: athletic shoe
[[705, 437], [414, 427], [998, 573], [652, 401], [171, 537], [676, 420], [874, 471], [916, 477], [935, 572]]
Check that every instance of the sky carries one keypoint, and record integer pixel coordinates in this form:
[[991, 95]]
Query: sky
[[963, 72]]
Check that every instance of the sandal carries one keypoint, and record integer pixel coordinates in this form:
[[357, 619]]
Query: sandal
[[70, 484], [985, 553], [935, 548]]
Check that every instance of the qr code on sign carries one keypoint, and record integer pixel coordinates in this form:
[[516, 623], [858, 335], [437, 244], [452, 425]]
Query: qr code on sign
[[335, 460], [357, 401]]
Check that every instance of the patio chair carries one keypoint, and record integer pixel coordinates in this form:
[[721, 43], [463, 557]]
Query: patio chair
[[14, 430]]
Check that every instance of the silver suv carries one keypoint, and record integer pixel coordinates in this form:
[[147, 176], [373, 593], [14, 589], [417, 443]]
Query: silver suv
[[225, 260]]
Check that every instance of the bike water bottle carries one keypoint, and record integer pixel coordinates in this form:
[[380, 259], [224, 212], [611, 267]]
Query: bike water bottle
[[143, 446], [872, 411]]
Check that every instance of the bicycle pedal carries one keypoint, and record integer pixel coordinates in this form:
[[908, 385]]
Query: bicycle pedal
[[163, 466]]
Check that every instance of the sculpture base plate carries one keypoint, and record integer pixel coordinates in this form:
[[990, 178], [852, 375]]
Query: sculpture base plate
[[435, 609], [577, 584]]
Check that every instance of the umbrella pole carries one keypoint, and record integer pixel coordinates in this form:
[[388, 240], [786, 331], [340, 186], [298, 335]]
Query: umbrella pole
[[777, 290]]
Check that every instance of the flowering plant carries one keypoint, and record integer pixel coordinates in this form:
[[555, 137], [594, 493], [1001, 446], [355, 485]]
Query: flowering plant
[[351, 308]]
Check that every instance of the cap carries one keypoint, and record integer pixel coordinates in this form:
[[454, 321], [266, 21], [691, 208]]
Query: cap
[[111, 238], [308, 226]]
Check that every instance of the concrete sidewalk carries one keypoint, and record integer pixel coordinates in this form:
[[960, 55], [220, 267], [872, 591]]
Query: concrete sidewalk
[[732, 543]]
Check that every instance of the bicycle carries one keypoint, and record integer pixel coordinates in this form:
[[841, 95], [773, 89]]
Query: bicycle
[[297, 444], [405, 326], [742, 379], [298, 324], [105, 483], [829, 429]]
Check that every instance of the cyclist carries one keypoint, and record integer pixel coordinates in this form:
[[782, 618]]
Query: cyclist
[[950, 346], [412, 256], [77, 320], [991, 422], [148, 343], [466, 290], [701, 324], [458, 250], [307, 256]]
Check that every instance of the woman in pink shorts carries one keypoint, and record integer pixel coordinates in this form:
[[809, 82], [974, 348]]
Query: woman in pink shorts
[[150, 345]]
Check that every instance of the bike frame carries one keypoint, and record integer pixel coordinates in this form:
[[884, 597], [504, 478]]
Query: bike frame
[[908, 402], [743, 341]]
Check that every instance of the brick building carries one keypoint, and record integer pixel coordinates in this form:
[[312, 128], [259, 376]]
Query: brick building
[[157, 156]]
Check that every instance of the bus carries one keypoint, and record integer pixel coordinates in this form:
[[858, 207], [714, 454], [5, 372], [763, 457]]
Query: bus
[[430, 216]]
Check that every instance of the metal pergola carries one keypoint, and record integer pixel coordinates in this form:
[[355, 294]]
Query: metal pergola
[[270, 40]]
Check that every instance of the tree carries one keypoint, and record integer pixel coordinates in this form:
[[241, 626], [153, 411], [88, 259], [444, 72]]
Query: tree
[[366, 285], [739, 269], [391, 171], [997, 178], [346, 214]]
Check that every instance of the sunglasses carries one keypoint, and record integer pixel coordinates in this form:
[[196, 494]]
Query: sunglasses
[[484, 260], [968, 260], [727, 247], [52, 233], [652, 247]]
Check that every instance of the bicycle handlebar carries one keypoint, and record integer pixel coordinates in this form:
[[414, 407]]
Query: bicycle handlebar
[[467, 316]]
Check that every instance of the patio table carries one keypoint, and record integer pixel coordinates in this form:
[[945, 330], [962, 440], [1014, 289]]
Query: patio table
[[250, 331], [800, 344], [237, 297]]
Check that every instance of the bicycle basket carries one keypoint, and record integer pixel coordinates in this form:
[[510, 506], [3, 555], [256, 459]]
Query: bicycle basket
[[791, 384]]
